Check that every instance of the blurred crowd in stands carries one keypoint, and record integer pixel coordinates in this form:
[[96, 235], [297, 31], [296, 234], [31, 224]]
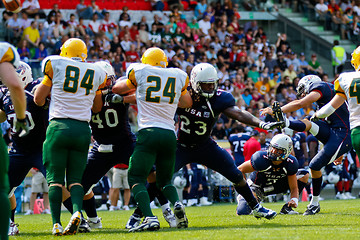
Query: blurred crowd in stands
[[254, 70]]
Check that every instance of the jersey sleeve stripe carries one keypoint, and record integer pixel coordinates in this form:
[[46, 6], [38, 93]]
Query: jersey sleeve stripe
[[9, 56], [48, 70], [47, 81], [184, 89]]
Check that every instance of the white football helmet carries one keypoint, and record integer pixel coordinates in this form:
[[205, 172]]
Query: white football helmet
[[179, 182], [305, 83], [204, 73], [288, 131], [108, 69], [280, 147], [24, 73]]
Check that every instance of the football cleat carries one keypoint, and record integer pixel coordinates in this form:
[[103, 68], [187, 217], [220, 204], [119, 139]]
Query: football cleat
[[29, 212], [192, 202], [133, 221], [287, 210], [204, 201], [349, 196], [312, 210], [95, 224], [180, 216], [170, 217], [260, 212], [46, 211], [57, 229], [278, 114], [84, 226], [149, 224], [13, 229], [73, 225]]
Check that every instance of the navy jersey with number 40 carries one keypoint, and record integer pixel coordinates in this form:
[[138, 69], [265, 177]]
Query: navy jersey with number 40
[[37, 118], [197, 122], [340, 118], [113, 118]]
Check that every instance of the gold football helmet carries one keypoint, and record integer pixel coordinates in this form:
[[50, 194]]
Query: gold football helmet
[[155, 57], [74, 48], [355, 59]]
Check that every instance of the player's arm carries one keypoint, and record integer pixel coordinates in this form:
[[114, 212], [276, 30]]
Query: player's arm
[[245, 117], [295, 105], [331, 107], [43, 90], [185, 101], [246, 167], [294, 191], [2, 116], [11, 80], [125, 86], [98, 103]]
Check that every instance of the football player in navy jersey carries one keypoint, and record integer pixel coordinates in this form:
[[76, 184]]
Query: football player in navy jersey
[[25, 152], [274, 171], [237, 141], [194, 142], [334, 132]]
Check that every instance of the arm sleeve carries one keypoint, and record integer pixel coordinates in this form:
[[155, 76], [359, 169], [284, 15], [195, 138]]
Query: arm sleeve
[[184, 89], [131, 81]]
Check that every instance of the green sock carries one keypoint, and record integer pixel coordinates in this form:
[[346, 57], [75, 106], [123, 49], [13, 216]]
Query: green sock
[[170, 193], [77, 196], [5, 215], [143, 200], [55, 198]]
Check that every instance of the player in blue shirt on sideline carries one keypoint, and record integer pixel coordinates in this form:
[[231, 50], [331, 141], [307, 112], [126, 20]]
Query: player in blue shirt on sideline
[[237, 141], [274, 171], [334, 132]]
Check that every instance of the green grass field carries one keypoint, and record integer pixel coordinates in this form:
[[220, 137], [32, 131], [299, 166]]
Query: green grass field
[[338, 219]]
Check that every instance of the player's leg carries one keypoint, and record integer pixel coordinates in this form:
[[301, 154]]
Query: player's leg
[[165, 164], [54, 157], [194, 186], [140, 165], [4, 191], [76, 165], [221, 161]]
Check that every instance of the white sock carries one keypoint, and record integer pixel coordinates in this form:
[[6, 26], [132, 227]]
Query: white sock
[[314, 130], [165, 206], [314, 201]]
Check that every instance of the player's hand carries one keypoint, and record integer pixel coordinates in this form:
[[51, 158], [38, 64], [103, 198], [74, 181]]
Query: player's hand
[[314, 118], [22, 127], [271, 125], [292, 203], [114, 98], [265, 111]]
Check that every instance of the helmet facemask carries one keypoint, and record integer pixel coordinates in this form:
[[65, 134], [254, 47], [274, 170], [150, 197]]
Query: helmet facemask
[[207, 88], [276, 153]]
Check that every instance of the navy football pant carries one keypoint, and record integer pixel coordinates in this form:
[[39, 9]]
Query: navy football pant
[[210, 155]]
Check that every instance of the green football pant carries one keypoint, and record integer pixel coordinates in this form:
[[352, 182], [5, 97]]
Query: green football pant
[[355, 139], [153, 146], [4, 191], [65, 148]]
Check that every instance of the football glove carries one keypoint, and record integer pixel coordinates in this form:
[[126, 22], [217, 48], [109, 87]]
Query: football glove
[[271, 125], [314, 118], [114, 98], [22, 127]]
